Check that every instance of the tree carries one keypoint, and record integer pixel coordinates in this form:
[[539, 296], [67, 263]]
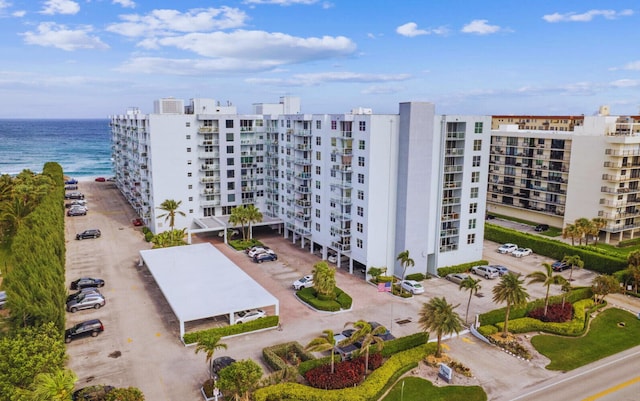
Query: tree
[[547, 279], [169, 238], [367, 335], [566, 288], [324, 279], [598, 223], [510, 290], [56, 386], [439, 316], [405, 261], [583, 226], [237, 217], [473, 286], [634, 268], [209, 344], [240, 378], [573, 261], [571, 231], [323, 343], [170, 206], [252, 215], [125, 394], [603, 285]]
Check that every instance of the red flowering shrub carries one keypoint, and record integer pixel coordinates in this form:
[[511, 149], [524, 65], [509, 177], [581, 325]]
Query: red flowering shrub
[[555, 313], [347, 373]]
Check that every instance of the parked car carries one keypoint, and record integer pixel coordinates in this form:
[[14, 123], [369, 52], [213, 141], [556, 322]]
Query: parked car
[[257, 250], [71, 181], [100, 179], [412, 286], [90, 300], [3, 299], [86, 282], [92, 233], [88, 328], [485, 271], [70, 187], [507, 248], [137, 222], [303, 282], [560, 266], [333, 258], [249, 315], [220, 363], [386, 336], [76, 202], [265, 257], [92, 393], [456, 277], [74, 195], [77, 211], [541, 227], [86, 290], [490, 217], [520, 252], [502, 270]]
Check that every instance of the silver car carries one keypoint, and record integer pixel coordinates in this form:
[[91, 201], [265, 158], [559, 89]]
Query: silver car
[[485, 271], [86, 301]]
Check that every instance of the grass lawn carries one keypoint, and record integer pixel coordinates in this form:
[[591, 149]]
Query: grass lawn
[[416, 388], [604, 338]]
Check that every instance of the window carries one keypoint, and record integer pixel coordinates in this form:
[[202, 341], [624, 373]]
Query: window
[[475, 176], [358, 243], [334, 125], [359, 227], [317, 198], [229, 124], [317, 184], [360, 161], [231, 173], [361, 145], [360, 178], [229, 136], [191, 199], [189, 174], [318, 125], [230, 149], [360, 211], [333, 157], [318, 227], [477, 129], [231, 186], [474, 192], [318, 156], [188, 162], [318, 170], [362, 126], [476, 161], [472, 224], [188, 137], [188, 150], [318, 213], [187, 125], [190, 186], [477, 144], [361, 195], [473, 208], [318, 140], [230, 161], [231, 198], [471, 239]]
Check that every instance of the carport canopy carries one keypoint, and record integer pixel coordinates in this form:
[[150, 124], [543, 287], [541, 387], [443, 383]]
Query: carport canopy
[[198, 281]]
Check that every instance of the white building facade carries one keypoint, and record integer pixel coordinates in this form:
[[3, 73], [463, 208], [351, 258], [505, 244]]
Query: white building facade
[[360, 187]]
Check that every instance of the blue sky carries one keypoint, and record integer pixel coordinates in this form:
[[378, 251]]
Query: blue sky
[[95, 58]]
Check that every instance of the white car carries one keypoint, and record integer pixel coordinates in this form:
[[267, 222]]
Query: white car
[[520, 252], [258, 250], [304, 282], [485, 271], [507, 248], [249, 315], [412, 286]]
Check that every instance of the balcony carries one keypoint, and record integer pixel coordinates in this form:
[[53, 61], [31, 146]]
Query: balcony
[[343, 151], [341, 216], [342, 200], [208, 155], [302, 132], [207, 130], [303, 202], [340, 246], [303, 146], [455, 135], [301, 189], [215, 178], [302, 162], [346, 134], [454, 152]]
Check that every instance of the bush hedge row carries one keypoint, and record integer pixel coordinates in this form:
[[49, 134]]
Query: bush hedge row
[[263, 323], [575, 327], [599, 260], [415, 277], [463, 268], [273, 356], [342, 300]]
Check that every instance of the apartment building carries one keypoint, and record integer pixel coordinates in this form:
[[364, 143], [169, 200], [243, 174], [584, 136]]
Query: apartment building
[[359, 186], [556, 169]]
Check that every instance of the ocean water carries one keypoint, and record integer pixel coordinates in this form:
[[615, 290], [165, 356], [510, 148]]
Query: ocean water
[[81, 147]]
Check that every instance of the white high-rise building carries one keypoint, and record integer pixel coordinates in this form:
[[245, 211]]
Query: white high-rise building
[[360, 187]]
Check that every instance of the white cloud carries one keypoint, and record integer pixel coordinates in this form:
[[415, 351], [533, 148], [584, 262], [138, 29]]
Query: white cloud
[[4, 4], [52, 7], [586, 17], [632, 66], [314, 79], [50, 34], [480, 27], [125, 3], [160, 65], [165, 22], [19, 13], [281, 2], [382, 90], [410, 29], [625, 83]]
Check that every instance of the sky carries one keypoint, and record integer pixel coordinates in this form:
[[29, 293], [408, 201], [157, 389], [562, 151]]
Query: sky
[[97, 58]]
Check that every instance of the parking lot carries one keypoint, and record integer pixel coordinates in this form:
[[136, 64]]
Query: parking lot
[[140, 345]]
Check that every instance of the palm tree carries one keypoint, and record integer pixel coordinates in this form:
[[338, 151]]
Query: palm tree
[[170, 206], [439, 316], [510, 291], [547, 279], [253, 215], [473, 286], [566, 288], [237, 217], [324, 279], [573, 261], [571, 231], [634, 268], [598, 223], [584, 228], [405, 261], [56, 386], [367, 335], [323, 343], [209, 344]]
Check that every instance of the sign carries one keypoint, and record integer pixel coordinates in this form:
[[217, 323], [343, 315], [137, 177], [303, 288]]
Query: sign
[[446, 373]]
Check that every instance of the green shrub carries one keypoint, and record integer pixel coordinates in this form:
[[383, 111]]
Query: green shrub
[[240, 245], [344, 300], [394, 346], [338, 302], [487, 330], [443, 271], [274, 356], [263, 323], [384, 279], [415, 277], [575, 327], [628, 242], [148, 236]]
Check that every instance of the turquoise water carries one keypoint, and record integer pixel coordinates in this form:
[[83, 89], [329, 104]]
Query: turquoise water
[[81, 147]]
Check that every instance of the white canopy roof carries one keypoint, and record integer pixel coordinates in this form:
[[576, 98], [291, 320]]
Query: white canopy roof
[[198, 281]]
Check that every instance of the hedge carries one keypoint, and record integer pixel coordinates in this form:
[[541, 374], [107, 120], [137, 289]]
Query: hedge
[[599, 260], [415, 277], [371, 389], [263, 323], [465, 267], [342, 300], [575, 327], [272, 355]]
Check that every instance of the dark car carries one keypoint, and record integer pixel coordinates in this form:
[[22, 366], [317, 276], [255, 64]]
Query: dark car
[[85, 282], [541, 227], [76, 202], [92, 393], [74, 195], [86, 290], [93, 233], [386, 336], [70, 187], [220, 363], [77, 211], [71, 181], [559, 266], [265, 257], [88, 328], [100, 179]]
